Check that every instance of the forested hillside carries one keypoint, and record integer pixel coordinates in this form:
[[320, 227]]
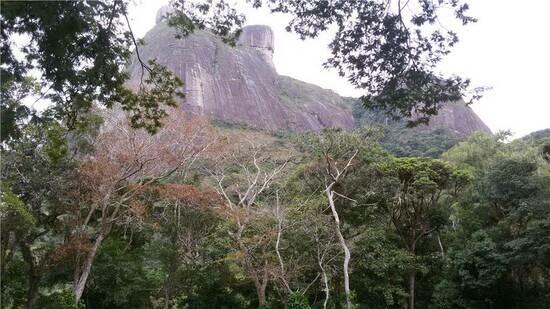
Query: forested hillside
[[207, 217], [114, 194]]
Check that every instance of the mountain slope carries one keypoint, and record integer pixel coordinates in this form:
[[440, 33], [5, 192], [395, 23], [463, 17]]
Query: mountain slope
[[241, 85]]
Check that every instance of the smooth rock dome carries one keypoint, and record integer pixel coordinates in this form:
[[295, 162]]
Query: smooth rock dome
[[261, 38], [240, 84]]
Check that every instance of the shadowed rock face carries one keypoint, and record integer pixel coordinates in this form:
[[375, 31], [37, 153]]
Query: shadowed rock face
[[458, 118], [240, 84]]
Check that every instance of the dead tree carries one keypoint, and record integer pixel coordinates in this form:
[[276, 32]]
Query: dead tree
[[106, 180], [244, 175]]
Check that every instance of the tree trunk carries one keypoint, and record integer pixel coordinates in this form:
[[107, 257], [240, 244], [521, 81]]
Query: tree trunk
[[4, 250], [277, 243], [32, 292], [325, 282], [261, 294], [441, 246], [412, 282], [347, 254], [81, 276], [260, 283], [34, 276]]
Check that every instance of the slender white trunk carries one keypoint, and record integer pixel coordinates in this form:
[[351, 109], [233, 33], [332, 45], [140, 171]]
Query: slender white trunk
[[347, 254], [412, 281], [277, 243], [325, 281], [441, 246]]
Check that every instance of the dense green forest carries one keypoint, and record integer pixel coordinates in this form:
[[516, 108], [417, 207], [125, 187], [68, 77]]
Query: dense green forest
[[116, 198], [209, 217]]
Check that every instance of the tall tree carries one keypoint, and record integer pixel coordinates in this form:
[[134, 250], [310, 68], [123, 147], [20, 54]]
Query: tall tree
[[335, 154], [105, 181], [34, 173], [244, 175], [498, 257], [417, 204]]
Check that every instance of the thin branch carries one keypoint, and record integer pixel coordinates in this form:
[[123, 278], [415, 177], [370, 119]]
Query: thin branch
[[143, 65]]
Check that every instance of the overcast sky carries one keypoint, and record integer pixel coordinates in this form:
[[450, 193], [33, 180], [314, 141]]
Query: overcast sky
[[508, 50]]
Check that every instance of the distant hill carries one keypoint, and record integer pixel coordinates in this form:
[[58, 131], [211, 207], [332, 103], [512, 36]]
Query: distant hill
[[541, 134]]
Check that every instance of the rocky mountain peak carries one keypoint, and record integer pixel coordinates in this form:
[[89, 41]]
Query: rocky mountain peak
[[259, 37], [162, 12], [240, 84]]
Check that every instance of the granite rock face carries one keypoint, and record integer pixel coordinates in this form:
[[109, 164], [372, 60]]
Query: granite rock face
[[240, 84], [458, 118], [261, 39]]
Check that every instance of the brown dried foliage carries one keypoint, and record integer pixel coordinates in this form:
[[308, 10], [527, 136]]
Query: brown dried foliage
[[124, 159], [66, 252]]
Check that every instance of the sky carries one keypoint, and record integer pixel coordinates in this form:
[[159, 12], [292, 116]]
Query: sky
[[508, 49]]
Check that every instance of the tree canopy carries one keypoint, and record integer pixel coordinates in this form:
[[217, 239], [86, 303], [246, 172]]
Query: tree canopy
[[98, 212]]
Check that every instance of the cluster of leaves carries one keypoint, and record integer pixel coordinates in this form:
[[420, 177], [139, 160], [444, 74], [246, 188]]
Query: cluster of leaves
[[498, 256], [73, 55], [216, 16]]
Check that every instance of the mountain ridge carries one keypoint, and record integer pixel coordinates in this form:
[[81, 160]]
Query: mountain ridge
[[240, 84]]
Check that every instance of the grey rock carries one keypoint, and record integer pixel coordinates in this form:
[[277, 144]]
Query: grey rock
[[458, 118], [240, 84], [163, 12], [260, 38]]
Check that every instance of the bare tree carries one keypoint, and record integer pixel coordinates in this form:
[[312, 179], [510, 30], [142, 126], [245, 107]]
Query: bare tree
[[124, 159], [334, 176], [280, 219], [314, 227], [244, 176], [336, 153], [323, 258]]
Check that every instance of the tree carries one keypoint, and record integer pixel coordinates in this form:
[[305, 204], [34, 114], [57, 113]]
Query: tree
[[334, 154], [33, 171], [507, 183], [120, 278], [244, 175], [380, 261], [389, 48], [306, 246], [105, 182], [416, 205], [79, 50], [187, 232], [497, 256]]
